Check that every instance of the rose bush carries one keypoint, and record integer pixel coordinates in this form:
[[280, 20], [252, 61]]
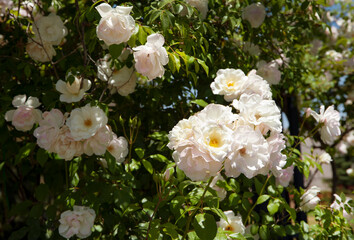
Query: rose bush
[[208, 136]]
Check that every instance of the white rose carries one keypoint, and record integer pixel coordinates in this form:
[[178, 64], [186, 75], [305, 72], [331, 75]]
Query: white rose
[[104, 70], [98, 143], [48, 129], [233, 224], [25, 116], [277, 160], [65, 145], [77, 222], [309, 199], [118, 147], [251, 48], [214, 139], [72, 92], [325, 158], [350, 171], [269, 71], [340, 207], [183, 130], [285, 176], [330, 118], [116, 25], [216, 114], [195, 161], [201, 5], [258, 85], [254, 14], [220, 191], [151, 57], [50, 29], [124, 80], [249, 153], [230, 83], [262, 113], [84, 122], [40, 53], [334, 55]]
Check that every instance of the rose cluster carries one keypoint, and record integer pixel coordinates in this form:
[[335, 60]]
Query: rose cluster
[[117, 26], [248, 142], [85, 131], [49, 30]]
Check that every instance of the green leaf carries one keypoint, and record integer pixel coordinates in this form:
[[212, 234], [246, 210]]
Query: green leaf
[[19, 234], [264, 232], [280, 230], [115, 50], [165, 21], [36, 211], [24, 152], [273, 207], [159, 157], [140, 152], [262, 199], [200, 102], [42, 156], [205, 67], [148, 166], [41, 192], [142, 35], [205, 226]]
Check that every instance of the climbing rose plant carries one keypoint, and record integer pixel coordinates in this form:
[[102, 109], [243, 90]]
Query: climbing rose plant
[[174, 119]]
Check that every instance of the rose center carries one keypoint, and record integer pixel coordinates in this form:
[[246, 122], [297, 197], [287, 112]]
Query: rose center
[[110, 148], [243, 151], [214, 142], [88, 123], [230, 84], [257, 116], [229, 228]]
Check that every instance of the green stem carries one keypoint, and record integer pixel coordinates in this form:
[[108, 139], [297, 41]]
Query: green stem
[[66, 175], [196, 209], [254, 205]]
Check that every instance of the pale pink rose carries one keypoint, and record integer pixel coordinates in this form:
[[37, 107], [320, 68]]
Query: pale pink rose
[[334, 55], [251, 48], [77, 222], [233, 224], [5, 5], [285, 176], [84, 122], [38, 52], [49, 128], [50, 29], [98, 143], [151, 57], [340, 207], [309, 199], [201, 5], [118, 147], [65, 146], [116, 25], [269, 71], [254, 14], [330, 118], [123, 81], [25, 116]]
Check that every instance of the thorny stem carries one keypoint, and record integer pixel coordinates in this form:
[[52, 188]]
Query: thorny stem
[[254, 205], [196, 209]]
